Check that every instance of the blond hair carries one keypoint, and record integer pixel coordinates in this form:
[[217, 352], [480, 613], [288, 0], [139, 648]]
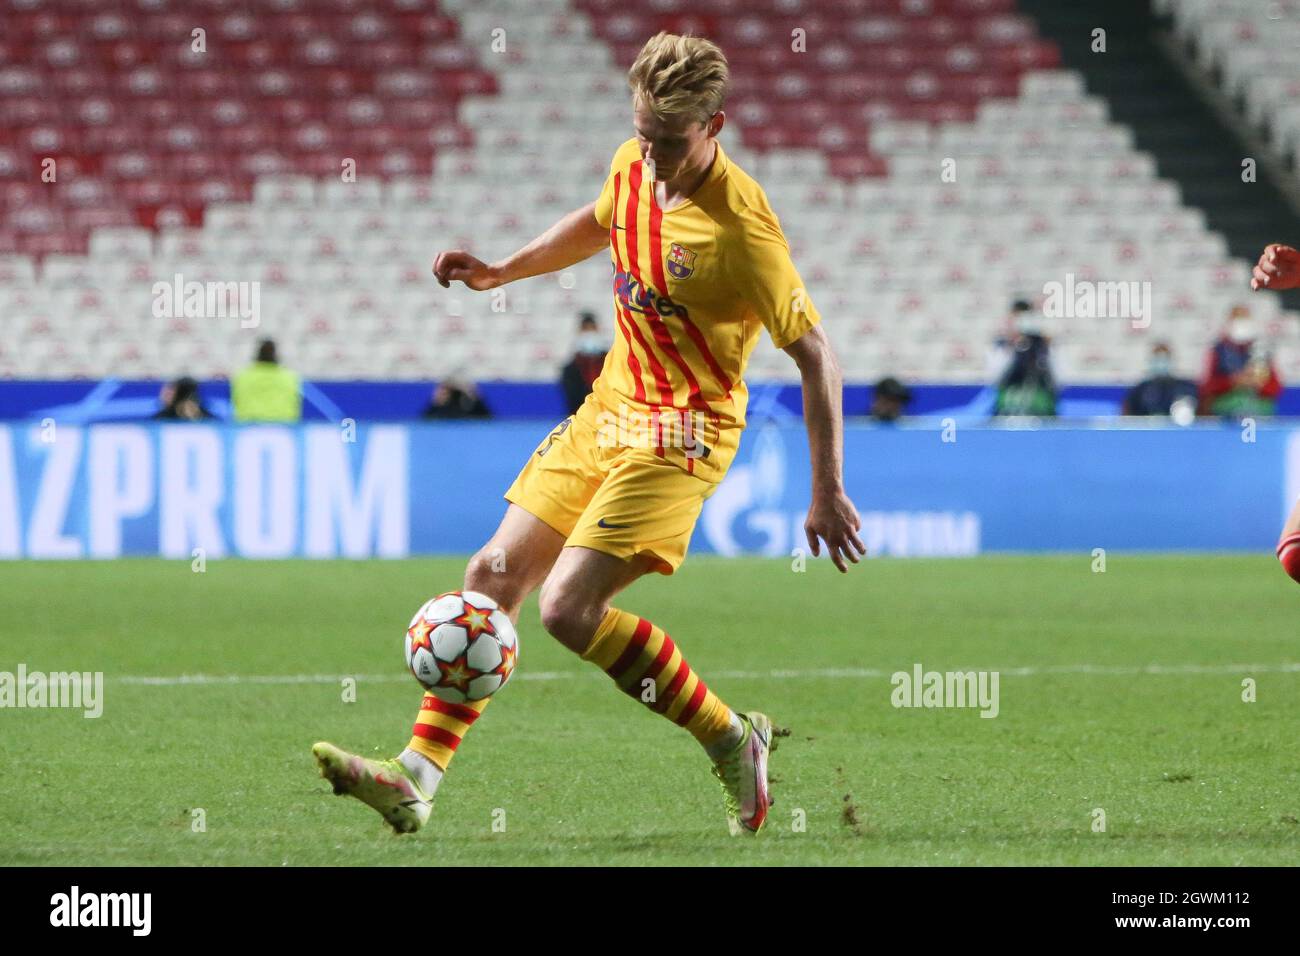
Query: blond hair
[[680, 76]]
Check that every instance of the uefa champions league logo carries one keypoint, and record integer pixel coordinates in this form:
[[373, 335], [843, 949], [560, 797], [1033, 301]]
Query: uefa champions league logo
[[752, 494], [760, 507]]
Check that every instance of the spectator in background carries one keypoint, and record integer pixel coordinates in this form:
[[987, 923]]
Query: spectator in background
[[889, 400], [455, 399], [180, 402], [1161, 389], [588, 359], [1027, 383], [1004, 345], [266, 391], [1239, 375]]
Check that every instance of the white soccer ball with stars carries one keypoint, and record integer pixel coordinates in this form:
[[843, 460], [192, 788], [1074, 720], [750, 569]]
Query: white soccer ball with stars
[[461, 646]]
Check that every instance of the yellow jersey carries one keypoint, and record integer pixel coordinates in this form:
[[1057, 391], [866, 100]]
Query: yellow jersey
[[693, 288]]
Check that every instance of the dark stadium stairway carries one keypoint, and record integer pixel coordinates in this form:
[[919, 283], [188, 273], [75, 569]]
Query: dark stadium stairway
[[1148, 93]]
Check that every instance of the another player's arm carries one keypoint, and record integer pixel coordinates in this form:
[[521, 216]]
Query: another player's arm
[[1278, 268], [1288, 545], [575, 237], [831, 516]]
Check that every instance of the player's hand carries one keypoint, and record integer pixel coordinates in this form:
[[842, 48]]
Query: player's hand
[[459, 266], [833, 518], [1278, 268]]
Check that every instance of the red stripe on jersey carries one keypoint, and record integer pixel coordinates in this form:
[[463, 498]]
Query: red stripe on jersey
[[633, 269], [438, 706], [629, 217], [698, 338], [437, 735], [691, 329], [634, 367], [696, 335], [660, 378], [661, 333]]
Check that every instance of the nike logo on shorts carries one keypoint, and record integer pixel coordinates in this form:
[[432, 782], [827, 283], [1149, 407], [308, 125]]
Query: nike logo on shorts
[[601, 524]]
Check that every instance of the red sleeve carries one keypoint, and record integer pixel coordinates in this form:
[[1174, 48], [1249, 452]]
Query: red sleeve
[[1273, 387], [1215, 382]]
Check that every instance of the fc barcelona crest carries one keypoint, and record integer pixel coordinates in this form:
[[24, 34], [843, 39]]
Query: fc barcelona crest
[[681, 261]]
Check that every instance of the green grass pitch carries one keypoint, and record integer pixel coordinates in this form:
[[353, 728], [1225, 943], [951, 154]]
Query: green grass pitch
[[1119, 691]]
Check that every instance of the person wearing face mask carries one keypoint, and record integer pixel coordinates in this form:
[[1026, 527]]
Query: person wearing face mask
[[1027, 384], [588, 359], [1003, 349], [1161, 389], [1240, 379]]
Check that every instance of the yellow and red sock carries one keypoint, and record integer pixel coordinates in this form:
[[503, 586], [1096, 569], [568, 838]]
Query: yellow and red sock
[[633, 651], [440, 726]]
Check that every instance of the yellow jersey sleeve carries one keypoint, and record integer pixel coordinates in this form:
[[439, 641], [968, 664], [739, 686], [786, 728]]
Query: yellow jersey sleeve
[[623, 157], [765, 277]]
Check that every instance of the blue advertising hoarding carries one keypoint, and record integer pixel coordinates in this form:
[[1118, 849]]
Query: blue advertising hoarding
[[356, 491]]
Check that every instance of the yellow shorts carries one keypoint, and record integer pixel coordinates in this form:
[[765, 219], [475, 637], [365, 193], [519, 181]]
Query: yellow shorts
[[612, 498]]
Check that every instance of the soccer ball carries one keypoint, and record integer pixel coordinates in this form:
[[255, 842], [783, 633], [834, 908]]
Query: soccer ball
[[461, 646]]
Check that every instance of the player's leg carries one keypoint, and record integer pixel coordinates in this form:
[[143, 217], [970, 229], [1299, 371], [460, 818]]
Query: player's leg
[[507, 569], [640, 520], [511, 566], [642, 659], [515, 561], [546, 499], [1288, 546]]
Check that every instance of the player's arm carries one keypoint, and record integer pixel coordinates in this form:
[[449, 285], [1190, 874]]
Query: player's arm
[[575, 237], [1288, 545], [831, 516], [1278, 268]]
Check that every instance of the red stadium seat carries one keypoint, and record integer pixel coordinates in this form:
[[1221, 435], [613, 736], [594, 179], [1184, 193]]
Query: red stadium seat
[[114, 91], [869, 59]]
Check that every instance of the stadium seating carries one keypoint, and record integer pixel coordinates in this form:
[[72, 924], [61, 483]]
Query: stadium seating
[[477, 124], [1250, 48]]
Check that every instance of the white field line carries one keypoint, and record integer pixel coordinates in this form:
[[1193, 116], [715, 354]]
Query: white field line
[[852, 673]]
